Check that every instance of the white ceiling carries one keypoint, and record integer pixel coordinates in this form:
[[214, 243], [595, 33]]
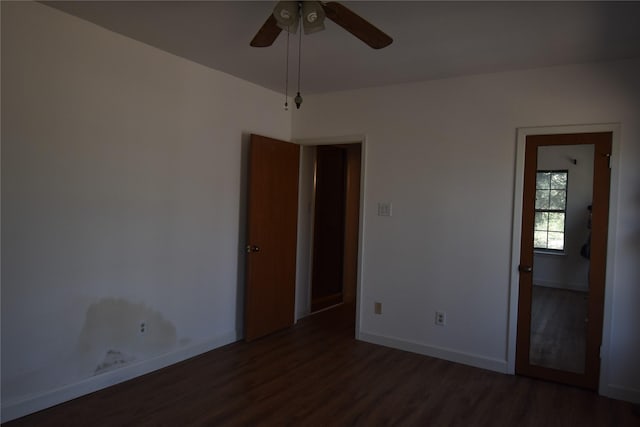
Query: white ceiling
[[431, 39]]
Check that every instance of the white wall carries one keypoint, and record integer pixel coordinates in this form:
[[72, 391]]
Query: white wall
[[568, 270], [122, 202], [443, 152]]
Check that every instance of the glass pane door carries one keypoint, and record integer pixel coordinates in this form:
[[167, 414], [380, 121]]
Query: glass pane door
[[562, 233]]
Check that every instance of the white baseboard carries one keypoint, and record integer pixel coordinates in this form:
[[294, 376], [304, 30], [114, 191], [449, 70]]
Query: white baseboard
[[496, 365], [26, 405], [621, 393]]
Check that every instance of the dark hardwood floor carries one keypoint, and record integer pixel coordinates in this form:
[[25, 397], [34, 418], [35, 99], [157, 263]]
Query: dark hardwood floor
[[316, 374]]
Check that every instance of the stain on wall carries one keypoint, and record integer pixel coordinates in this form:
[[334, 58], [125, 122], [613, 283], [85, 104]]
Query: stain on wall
[[112, 360], [117, 332]]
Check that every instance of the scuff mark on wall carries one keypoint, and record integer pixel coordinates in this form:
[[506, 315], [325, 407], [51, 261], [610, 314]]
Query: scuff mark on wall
[[112, 337], [113, 359]]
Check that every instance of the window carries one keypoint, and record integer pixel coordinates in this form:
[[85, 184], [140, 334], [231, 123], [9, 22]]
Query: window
[[551, 207]]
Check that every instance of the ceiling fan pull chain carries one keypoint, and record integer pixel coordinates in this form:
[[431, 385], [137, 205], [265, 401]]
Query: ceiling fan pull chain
[[286, 77], [298, 98]]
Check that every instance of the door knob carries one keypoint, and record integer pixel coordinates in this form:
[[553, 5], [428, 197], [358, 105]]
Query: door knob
[[525, 269], [253, 248]]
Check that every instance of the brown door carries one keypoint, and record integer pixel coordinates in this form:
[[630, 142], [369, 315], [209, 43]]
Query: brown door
[[352, 223], [560, 323], [271, 236]]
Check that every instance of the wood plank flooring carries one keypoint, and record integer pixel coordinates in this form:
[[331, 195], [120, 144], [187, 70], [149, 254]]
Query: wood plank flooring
[[316, 374]]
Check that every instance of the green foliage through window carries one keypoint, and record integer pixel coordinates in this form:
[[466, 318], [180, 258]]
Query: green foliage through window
[[551, 207]]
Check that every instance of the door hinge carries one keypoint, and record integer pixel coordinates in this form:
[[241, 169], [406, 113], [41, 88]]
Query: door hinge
[[609, 158]]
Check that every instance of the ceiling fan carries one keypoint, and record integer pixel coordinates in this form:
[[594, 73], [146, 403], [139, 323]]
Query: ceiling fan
[[287, 14]]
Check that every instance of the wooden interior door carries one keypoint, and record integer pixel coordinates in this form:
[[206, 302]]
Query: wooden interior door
[[271, 236], [352, 223], [588, 377]]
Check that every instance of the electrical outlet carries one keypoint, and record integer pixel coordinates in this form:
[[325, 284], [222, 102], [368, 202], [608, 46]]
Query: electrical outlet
[[143, 327], [377, 307], [384, 209], [441, 318]]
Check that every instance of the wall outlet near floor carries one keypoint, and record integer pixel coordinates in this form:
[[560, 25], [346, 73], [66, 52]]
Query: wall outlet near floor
[[143, 327], [384, 209], [441, 318], [377, 307]]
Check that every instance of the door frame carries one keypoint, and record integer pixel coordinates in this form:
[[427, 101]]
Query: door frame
[[303, 278], [522, 134]]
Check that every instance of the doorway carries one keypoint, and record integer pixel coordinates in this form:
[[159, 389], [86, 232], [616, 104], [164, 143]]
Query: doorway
[[563, 256], [277, 263], [336, 218]]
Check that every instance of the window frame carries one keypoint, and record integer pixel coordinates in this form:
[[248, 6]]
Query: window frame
[[547, 250]]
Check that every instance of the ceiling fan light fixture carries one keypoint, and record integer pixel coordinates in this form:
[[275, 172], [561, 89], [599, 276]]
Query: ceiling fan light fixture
[[312, 17], [287, 14]]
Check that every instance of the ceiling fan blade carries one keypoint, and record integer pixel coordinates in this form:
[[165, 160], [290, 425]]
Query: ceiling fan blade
[[356, 25], [267, 34]]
